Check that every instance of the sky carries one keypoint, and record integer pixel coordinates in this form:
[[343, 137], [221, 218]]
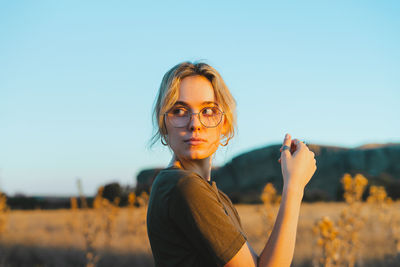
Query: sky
[[78, 80]]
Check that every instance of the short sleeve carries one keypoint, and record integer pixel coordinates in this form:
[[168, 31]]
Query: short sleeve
[[195, 210]]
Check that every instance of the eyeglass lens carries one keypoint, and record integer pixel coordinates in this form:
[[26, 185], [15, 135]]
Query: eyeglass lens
[[209, 116]]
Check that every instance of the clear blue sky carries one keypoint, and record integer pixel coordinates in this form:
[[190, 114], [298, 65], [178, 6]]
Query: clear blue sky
[[78, 80]]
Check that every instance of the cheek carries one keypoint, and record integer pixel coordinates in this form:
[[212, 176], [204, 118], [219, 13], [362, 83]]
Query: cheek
[[173, 137]]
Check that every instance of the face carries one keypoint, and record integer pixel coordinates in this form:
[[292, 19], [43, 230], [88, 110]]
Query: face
[[195, 93]]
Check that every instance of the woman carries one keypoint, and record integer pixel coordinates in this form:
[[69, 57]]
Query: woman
[[190, 222]]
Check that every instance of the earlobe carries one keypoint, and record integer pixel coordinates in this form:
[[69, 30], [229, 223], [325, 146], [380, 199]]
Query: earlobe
[[225, 144], [164, 140]]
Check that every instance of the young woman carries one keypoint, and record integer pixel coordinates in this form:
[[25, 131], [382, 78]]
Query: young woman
[[190, 222]]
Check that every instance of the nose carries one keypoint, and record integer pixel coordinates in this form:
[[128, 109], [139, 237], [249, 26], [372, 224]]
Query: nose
[[194, 122]]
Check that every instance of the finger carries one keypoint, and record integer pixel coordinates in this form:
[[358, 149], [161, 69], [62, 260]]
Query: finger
[[286, 142], [299, 144], [293, 145], [280, 149]]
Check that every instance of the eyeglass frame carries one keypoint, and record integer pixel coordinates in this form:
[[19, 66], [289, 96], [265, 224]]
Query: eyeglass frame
[[198, 114]]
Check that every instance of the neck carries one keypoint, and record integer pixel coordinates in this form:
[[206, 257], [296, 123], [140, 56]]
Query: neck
[[202, 166]]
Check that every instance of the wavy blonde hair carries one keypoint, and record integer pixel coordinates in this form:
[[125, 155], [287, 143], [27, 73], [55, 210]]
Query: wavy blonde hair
[[168, 95]]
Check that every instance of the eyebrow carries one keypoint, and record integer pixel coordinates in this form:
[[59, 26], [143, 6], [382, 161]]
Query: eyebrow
[[202, 104]]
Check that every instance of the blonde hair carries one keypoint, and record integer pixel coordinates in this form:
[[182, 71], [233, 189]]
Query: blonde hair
[[168, 95]]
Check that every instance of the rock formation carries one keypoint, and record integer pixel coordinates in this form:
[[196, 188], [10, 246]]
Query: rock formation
[[244, 177]]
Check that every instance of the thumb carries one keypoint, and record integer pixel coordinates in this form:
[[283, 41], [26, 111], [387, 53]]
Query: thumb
[[286, 142]]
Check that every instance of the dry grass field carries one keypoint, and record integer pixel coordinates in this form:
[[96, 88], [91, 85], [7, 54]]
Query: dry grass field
[[349, 234], [56, 237]]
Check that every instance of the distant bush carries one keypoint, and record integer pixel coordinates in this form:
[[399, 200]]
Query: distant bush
[[112, 191], [390, 183]]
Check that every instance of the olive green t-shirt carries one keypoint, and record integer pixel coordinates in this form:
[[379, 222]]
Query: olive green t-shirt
[[190, 222]]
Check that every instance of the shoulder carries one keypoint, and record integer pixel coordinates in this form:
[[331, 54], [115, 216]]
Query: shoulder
[[174, 174], [195, 197], [171, 186], [178, 181], [170, 177], [191, 186]]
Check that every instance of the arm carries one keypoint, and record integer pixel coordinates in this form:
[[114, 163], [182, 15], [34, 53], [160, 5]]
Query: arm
[[279, 249], [297, 170]]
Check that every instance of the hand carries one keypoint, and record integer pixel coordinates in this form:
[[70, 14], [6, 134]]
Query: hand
[[293, 147], [298, 165]]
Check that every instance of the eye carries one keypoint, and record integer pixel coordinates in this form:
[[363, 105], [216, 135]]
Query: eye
[[209, 111], [179, 112]]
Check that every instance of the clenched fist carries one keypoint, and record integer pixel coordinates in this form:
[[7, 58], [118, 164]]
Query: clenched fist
[[298, 164]]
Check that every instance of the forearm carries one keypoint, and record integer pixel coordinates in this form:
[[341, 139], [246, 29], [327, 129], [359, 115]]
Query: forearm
[[279, 249]]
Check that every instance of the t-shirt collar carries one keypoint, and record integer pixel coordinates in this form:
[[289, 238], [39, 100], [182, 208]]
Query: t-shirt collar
[[212, 183]]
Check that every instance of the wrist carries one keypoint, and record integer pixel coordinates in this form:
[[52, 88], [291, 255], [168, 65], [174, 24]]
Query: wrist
[[293, 189]]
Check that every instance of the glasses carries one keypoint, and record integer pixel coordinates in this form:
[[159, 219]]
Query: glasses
[[209, 116]]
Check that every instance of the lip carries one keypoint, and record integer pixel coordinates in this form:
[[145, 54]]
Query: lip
[[195, 141]]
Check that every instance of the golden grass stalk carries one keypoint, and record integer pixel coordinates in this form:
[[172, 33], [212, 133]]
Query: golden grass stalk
[[4, 211], [73, 221], [270, 200], [389, 218], [380, 203], [131, 209], [350, 221], [90, 230], [328, 241], [395, 231], [346, 230], [143, 200]]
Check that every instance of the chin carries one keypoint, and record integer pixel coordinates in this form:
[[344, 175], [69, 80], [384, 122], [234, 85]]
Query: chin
[[196, 155]]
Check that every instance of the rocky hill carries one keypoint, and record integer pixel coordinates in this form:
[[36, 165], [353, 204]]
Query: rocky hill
[[244, 177]]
